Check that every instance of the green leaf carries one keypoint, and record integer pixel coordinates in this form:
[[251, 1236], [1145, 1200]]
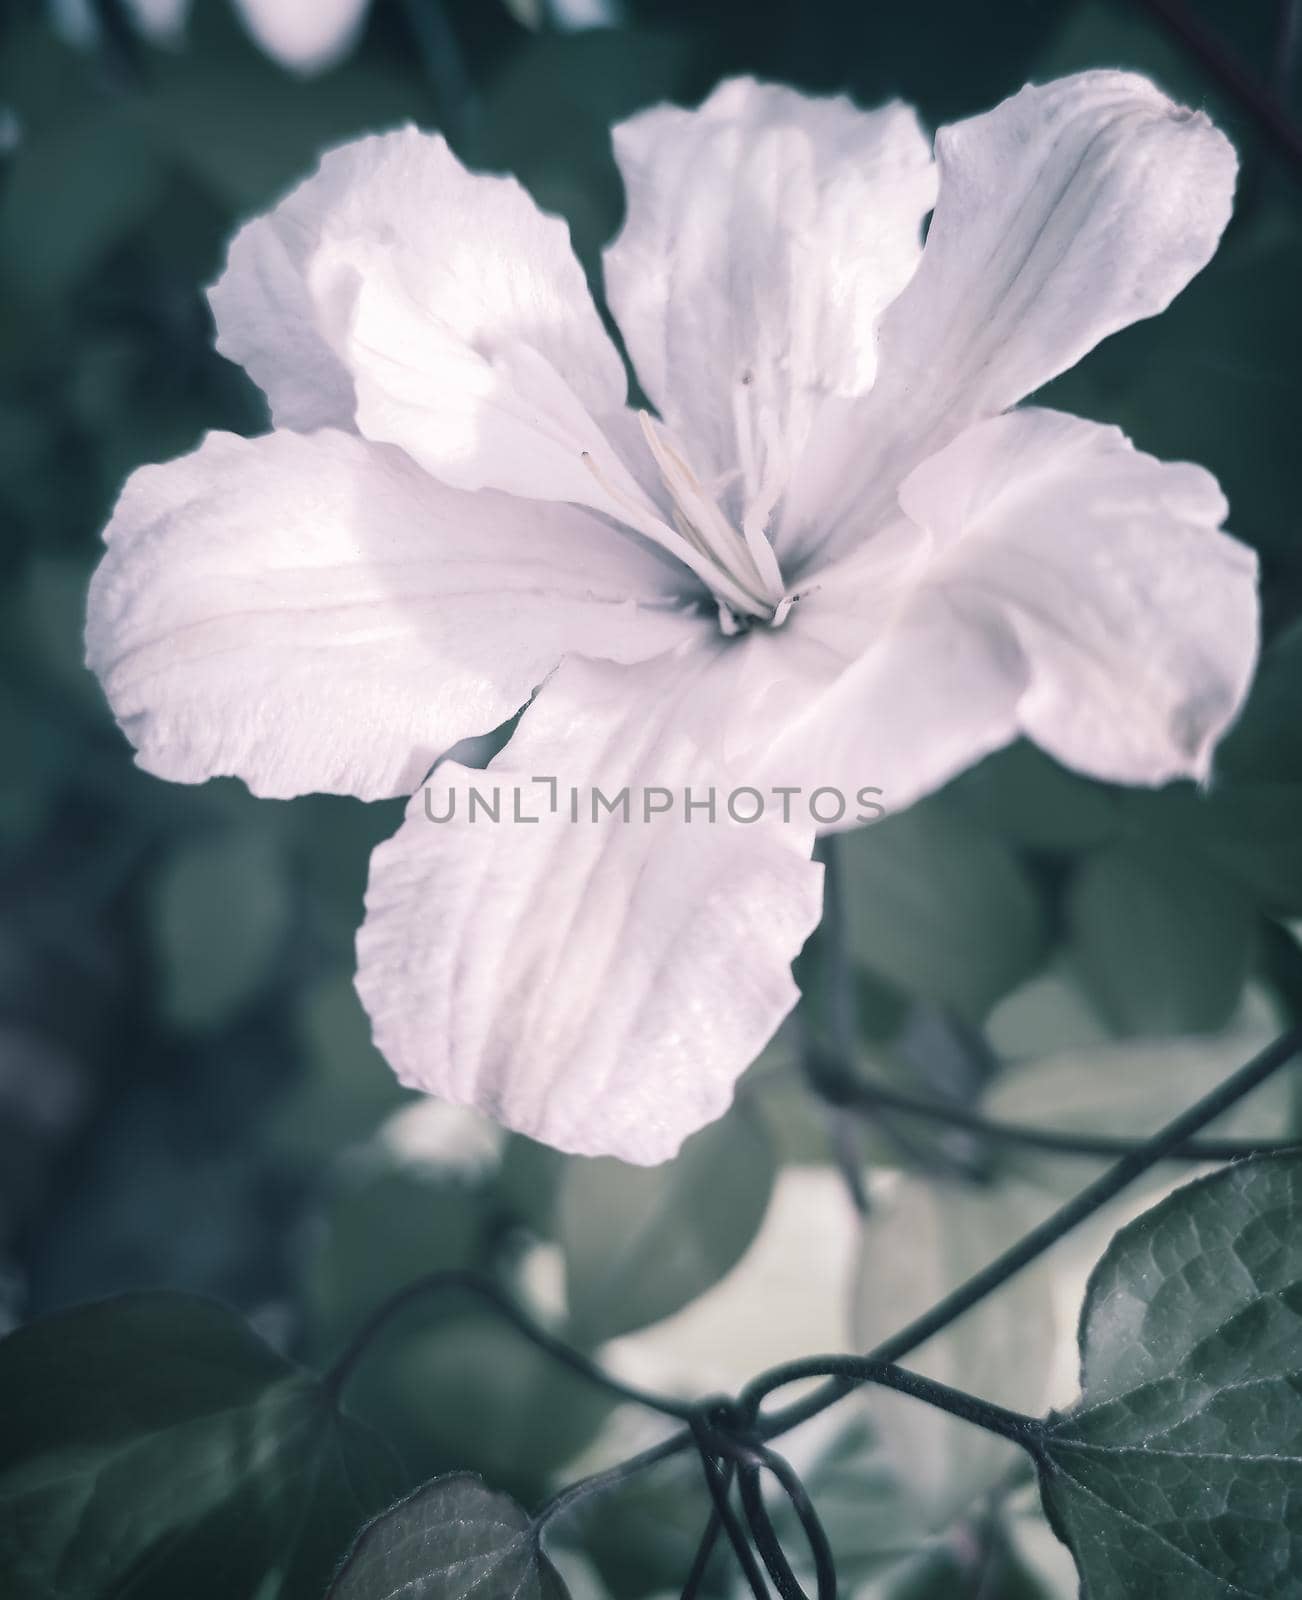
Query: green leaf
[[1131, 1088], [1265, 744], [1162, 942], [74, 193], [452, 1539], [641, 1242], [1179, 1474], [154, 1445], [919, 1241], [221, 913], [346, 1088], [1025, 796], [942, 908]]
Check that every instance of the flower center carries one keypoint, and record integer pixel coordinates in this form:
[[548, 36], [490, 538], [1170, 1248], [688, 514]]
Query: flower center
[[739, 566]]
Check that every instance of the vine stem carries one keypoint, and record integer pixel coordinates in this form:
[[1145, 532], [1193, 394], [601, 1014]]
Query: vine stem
[[844, 1373], [844, 1090], [1041, 1238], [477, 1284], [985, 1414]]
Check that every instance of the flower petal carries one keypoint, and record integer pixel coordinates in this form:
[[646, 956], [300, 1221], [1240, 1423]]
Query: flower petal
[[1137, 618], [1066, 213], [765, 233], [936, 691], [1077, 591], [596, 985], [304, 35], [315, 613], [442, 303]]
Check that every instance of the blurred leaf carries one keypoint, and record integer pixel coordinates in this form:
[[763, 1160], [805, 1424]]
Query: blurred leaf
[[641, 1242], [784, 1298], [1048, 1013], [106, 177], [452, 1386], [384, 1228], [643, 1543], [250, 152], [450, 1540], [221, 913], [1179, 1475], [921, 1239], [940, 906], [879, 1531], [1024, 796], [460, 1388], [346, 1088], [1130, 1089], [1162, 943], [1265, 745], [1249, 833], [547, 116], [154, 1445], [528, 13]]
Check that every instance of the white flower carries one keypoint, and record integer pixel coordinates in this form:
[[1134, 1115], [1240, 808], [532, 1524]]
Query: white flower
[[836, 558], [306, 36]]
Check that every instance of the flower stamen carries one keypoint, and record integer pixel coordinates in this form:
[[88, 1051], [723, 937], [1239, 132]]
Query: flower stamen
[[747, 559]]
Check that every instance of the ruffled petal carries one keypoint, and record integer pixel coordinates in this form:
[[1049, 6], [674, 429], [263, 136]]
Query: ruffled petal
[[765, 234], [1066, 213], [432, 308], [315, 613], [598, 985], [1075, 590], [1136, 616]]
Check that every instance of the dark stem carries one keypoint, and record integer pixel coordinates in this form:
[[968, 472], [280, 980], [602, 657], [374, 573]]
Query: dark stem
[[1255, 98], [856, 1370], [807, 1516], [1090, 1199], [483, 1288], [610, 1479], [718, 1480], [765, 1535], [845, 1090]]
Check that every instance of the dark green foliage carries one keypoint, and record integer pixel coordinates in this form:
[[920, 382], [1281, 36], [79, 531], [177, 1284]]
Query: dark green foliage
[[153, 1445], [1179, 1476]]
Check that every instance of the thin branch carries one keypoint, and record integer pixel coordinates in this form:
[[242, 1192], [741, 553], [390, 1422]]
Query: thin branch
[[737, 1431], [1090, 1199], [718, 1480], [764, 1533], [857, 1370], [611, 1478], [857, 1092], [819, 1547], [483, 1288]]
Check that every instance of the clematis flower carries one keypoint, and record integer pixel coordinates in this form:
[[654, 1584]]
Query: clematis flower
[[837, 553], [304, 36]]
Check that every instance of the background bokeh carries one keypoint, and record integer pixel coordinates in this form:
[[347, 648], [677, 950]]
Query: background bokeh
[[188, 1095]]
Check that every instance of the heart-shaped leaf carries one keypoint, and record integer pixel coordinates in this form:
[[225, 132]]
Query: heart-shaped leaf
[[1179, 1474], [153, 1445], [452, 1539], [642, 1242]]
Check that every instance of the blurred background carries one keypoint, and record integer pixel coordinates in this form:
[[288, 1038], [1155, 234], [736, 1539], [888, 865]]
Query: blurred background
[[188, 1095]]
